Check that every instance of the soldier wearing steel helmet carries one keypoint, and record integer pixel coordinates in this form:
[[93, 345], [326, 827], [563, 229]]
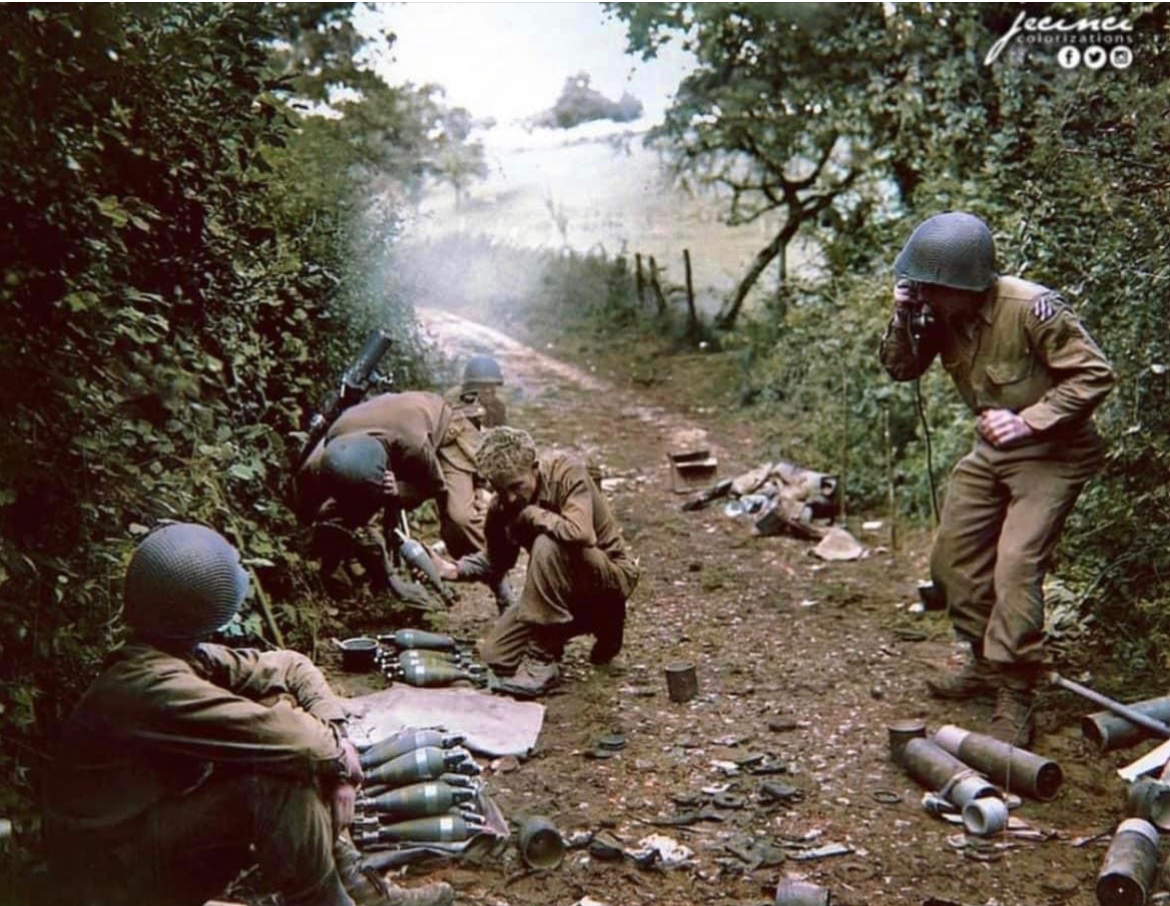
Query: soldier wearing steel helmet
[[394, 452], [186, 762], [1029, 371], [478, 396]]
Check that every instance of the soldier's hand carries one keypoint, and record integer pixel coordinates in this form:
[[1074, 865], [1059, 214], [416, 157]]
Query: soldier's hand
[[389, 485], [341, 804], [446, 569], [903, 295], [351, 762], [1003, 428]]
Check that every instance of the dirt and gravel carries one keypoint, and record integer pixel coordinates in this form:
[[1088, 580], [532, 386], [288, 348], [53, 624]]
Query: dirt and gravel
[[779, 767]]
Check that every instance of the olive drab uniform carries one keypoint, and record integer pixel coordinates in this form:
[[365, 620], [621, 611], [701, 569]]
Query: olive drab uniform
[[172, 767], [579, 574], [480, 403], [1025, 351], [431, 450]]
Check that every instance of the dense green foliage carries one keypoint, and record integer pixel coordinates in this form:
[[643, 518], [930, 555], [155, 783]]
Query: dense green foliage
[[1068, 166], [188, 262], [580, 102]]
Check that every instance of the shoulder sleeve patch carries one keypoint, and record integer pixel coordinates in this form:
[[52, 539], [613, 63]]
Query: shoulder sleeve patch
[[1046, 305]]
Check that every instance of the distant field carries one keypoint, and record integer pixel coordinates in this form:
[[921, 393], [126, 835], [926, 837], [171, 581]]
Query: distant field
[[610, 193]]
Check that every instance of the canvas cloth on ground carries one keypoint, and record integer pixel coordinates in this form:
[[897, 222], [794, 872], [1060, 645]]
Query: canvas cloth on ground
[[492, 725]]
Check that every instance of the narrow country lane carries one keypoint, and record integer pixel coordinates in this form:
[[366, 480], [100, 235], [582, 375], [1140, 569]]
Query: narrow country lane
[[779, 767]]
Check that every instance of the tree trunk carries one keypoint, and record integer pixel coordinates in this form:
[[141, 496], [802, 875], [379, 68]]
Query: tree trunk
[[727, 317]]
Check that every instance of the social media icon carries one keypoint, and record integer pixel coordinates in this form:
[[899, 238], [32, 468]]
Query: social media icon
[[1069, 57], [1095, 57], [1121, 56]]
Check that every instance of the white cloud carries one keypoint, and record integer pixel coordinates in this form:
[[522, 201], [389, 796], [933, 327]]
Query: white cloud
[[510, 60]]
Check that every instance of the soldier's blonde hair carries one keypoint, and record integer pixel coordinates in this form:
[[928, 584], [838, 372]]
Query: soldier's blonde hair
[[504, 452]]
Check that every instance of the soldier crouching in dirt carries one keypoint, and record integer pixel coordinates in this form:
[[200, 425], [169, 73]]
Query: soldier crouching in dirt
[[579, 574], [185, 763], [392, 453], [1024, 363]]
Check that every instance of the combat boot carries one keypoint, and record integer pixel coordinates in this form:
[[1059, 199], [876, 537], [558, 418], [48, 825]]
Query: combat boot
[[368, 888], [609, 635], [978, 677], [533, 678], [539, 669], [1014, 720]]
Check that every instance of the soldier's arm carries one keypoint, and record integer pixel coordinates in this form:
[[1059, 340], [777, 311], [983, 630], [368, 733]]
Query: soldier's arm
[[1083, 375], [498, 558], [904, 355], [192, 716], [574, 523], [257, 674]]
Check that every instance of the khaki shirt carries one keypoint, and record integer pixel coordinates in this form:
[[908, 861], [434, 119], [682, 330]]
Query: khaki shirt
[[1025, 351], [481, 404], [420, 431], [154, 725], [569, 508]]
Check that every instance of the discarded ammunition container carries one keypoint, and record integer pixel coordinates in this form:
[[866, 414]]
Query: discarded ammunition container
[[940, 771], [1108, 731], [985, 816], [791, 892], [1131, 863], [1150, 799], [901, 732], [1016, 770]]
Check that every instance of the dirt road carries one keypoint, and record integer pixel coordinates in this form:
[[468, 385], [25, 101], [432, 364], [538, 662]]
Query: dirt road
[[801, 665]]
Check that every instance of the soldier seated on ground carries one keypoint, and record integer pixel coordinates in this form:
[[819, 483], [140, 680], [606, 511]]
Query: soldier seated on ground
[[579, 574], [185, 763], [479, 394], [391, 454]]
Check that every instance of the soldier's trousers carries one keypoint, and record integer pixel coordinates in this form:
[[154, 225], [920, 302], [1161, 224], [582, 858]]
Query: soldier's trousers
[[568, 591], [1003, 516], [187, 848], [461, 514]]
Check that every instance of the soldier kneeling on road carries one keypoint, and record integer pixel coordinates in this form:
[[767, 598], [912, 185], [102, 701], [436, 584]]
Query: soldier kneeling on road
[[185, 763], [579, 574]]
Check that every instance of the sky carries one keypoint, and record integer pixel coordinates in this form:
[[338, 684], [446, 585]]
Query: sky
[[510, 60]]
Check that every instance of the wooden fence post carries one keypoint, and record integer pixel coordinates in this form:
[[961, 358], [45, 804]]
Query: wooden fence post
[[638, 278], [692, 315], [656, 287]]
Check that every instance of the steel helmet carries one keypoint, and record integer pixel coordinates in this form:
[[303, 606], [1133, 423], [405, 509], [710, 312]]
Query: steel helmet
[[954, 249], [482, 369], [184, 582], [353, 467]]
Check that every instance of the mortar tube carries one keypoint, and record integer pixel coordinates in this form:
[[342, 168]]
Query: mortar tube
[[1016, 770], [940, 771], [1108, 731]]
